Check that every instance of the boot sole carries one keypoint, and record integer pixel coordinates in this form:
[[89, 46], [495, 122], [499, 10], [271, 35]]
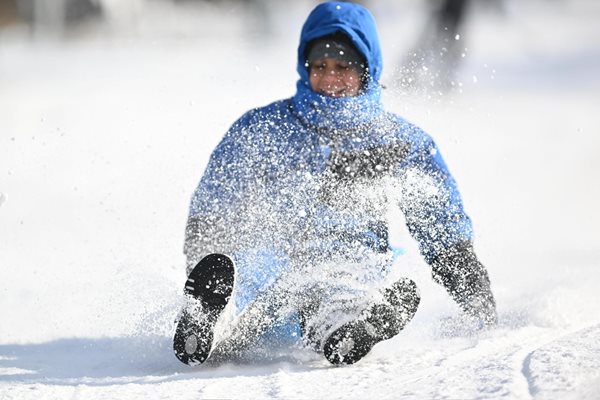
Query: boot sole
[[354, 340], [211, 283]]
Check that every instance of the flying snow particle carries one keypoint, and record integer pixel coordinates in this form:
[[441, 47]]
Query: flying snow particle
[[2, 198], [338, 7], [474, 79], [457, 37]]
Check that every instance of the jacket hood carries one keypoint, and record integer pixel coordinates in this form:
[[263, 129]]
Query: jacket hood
[[331, 113], [351, 19]]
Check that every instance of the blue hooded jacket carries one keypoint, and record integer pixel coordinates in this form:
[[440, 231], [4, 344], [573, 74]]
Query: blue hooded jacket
[[315, 174]]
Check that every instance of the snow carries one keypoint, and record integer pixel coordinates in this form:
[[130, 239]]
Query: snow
[[104, 136]]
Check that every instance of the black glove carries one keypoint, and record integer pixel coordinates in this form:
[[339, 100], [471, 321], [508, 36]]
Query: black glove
[[466, 279]]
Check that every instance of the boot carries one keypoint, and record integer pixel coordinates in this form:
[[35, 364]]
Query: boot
[[208, 288], [381, 321]]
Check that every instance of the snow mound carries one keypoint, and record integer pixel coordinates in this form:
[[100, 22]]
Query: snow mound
[[566, 368]]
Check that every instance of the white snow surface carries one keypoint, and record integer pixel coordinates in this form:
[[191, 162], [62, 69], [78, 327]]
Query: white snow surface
[[104, 135]]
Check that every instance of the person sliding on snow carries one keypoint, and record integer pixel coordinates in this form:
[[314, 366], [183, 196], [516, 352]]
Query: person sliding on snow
[[289, 224]]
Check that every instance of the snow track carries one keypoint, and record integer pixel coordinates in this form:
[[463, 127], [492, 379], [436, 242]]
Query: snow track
[[523, 363]]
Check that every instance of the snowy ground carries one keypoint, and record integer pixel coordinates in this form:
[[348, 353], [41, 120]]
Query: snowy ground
[[103, 138]]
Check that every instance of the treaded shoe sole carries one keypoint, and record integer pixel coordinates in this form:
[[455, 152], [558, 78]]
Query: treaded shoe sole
[[354, 340], [349, 343], [211, 283]]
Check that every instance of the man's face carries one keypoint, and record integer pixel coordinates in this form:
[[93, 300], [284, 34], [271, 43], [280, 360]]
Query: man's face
[[334, 78]]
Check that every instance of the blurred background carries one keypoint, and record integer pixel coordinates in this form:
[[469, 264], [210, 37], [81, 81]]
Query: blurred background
[[109, 110]]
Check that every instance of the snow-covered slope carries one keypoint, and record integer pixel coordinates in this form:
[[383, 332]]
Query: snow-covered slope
[[103, 139]]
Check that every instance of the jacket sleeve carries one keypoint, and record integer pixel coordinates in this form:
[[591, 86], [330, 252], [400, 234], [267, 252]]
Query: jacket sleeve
[[437, 220], [217, 203], [430, 200]]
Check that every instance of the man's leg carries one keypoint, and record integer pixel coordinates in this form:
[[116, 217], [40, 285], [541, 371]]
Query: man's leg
[[344, 312], [260, 309]]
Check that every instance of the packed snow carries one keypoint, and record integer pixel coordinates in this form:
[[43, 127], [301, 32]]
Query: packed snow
[[105, 133]]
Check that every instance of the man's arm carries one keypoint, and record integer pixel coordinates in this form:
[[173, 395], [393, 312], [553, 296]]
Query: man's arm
[[436, 218]]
